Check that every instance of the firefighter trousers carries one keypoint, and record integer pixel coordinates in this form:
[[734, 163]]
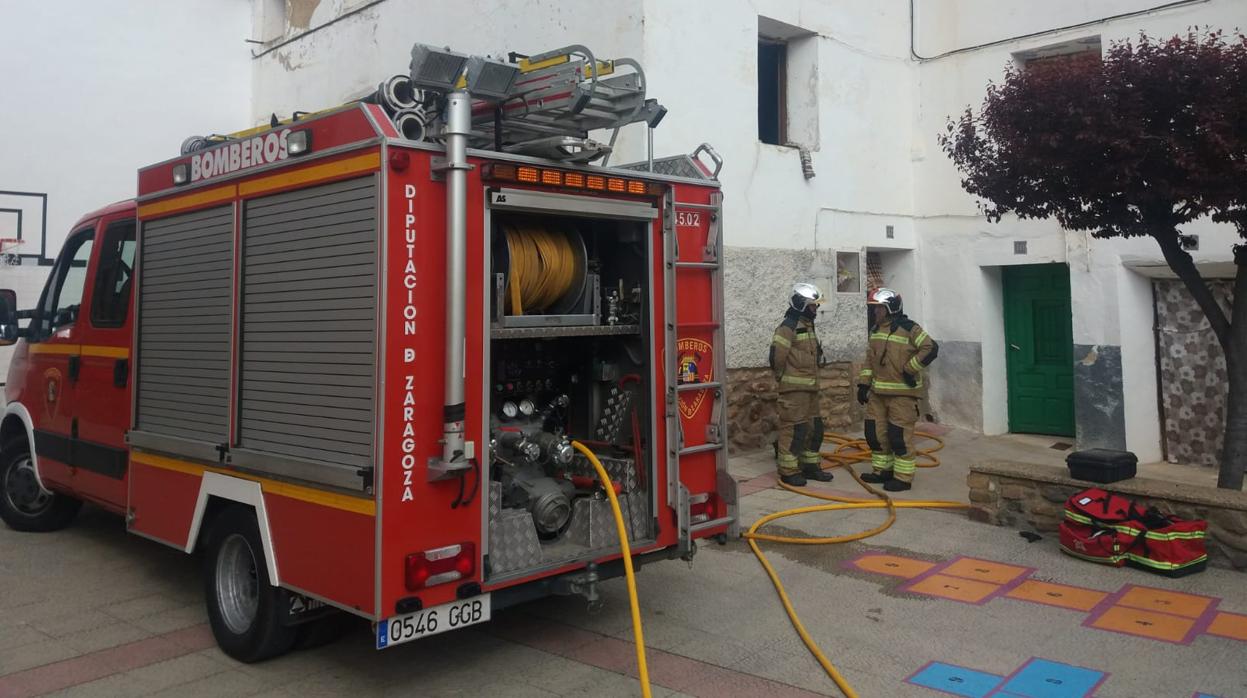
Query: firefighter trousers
[[800, 431], [889, 431]]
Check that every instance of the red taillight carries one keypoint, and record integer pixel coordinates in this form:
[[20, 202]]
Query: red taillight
[[700, 507], [440, 565]]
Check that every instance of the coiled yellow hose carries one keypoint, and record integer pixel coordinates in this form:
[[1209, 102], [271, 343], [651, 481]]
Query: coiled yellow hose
[[637, 634], [542, 267], [846, 452]]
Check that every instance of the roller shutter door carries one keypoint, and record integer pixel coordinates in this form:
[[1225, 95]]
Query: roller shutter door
[[307, 371], [183, 350]]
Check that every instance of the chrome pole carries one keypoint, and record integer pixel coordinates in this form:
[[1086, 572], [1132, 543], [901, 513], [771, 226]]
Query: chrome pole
[[458, 125]]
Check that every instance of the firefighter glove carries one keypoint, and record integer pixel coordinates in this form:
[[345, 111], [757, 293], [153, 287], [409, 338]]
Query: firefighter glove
[[863, 394], [910, 380]]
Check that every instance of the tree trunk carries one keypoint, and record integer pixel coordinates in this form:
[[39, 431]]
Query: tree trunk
[[1180, 262], [1234, 452]]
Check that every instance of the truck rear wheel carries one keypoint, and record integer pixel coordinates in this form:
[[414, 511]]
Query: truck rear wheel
[[244, 609], [24, 504]]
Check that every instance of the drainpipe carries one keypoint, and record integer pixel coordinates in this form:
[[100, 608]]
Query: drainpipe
[[455, 460]]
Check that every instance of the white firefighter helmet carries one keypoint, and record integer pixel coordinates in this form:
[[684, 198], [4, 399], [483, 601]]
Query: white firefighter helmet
[[887, 298], [804, 295]]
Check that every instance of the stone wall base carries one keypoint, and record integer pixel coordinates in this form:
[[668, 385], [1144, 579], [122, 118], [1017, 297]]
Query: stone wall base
[[753, 418], [1030, 496]]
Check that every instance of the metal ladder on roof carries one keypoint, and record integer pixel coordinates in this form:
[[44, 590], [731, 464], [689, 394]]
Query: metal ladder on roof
[[558, 98], [710, 262]]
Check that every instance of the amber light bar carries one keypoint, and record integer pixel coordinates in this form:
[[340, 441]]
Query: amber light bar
[[530, 174]]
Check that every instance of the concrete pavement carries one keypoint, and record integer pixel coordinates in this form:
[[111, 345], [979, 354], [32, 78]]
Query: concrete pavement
[[92, 611]]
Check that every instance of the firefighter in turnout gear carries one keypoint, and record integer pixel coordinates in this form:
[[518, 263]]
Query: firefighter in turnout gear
[[890, 386], [795, 359]]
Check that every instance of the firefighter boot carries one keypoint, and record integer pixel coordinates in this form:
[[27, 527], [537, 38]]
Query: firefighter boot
[[811, 461], [895, 485], [793, 479], [881, 469], [812, 471]]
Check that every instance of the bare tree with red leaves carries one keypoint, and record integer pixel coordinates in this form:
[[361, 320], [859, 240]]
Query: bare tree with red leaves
[[1152, 137]]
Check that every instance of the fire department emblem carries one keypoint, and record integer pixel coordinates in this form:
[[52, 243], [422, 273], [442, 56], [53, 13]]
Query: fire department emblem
[[695, 364]]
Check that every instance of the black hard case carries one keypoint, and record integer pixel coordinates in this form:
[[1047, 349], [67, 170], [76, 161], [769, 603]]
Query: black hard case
[[1101, 465]]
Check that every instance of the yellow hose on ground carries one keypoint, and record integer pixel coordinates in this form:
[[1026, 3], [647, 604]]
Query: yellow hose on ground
[[542, 267], [626, 549], [841, 455]]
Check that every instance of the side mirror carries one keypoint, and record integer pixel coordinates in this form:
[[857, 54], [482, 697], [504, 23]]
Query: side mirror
[[9, 331]]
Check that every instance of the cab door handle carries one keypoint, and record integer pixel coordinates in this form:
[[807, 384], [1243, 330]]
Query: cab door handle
[[75, 366], [121, 372]]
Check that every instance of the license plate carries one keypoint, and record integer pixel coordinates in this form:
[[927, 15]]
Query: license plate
[[431, 621]]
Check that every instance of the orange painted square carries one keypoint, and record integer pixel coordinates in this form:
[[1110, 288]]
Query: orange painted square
[[1073, 598], [1177, 603], [1157, 626], [954, 588], [984, 571], [1229, 625], [893, 565]]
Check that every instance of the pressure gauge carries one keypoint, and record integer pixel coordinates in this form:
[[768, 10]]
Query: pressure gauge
[[527, 407], [509, 410]]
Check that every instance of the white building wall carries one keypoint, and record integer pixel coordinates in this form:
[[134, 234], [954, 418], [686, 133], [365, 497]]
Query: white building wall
[[1112, 306], [779, 226], [94, 90], [701, 61], [869, 111], [323, 67]]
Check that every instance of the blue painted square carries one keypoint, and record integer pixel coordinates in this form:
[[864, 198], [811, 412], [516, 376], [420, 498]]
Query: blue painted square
[[956, 680], [1041, 678], [1203, 695]]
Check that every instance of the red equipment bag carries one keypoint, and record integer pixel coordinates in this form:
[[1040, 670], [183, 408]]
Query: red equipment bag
[[1111, 529], [1091, 544], [1168, 545]]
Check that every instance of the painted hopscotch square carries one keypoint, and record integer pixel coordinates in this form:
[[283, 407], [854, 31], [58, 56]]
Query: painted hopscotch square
[[985, 570], [1161, 601], [1230, 625], [1043, 678], [954, 588], [955, 680], [892, 565], [1149, 624], [1059, 595]]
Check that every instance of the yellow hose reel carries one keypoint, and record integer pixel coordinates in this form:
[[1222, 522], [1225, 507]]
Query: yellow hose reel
[[545, 269]]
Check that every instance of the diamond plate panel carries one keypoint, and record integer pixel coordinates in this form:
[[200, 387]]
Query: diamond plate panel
[[621, 470], [513, 542], [637, 515], [495, 501], [675, 166], [593, 524]]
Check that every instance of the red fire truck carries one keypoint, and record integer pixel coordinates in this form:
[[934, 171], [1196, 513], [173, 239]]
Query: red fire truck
[[344, 357]]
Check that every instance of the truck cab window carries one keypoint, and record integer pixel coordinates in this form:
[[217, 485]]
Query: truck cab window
[[115, 276], [64, 291]]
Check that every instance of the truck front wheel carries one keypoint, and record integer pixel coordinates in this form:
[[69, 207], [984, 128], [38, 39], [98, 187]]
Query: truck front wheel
[[244, 609], [24, 504]]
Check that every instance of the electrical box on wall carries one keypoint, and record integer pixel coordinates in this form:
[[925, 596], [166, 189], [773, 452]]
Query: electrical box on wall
[[848, 272]]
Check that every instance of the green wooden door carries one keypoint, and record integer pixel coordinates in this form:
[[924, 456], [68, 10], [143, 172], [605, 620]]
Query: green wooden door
[[1039, 346]]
